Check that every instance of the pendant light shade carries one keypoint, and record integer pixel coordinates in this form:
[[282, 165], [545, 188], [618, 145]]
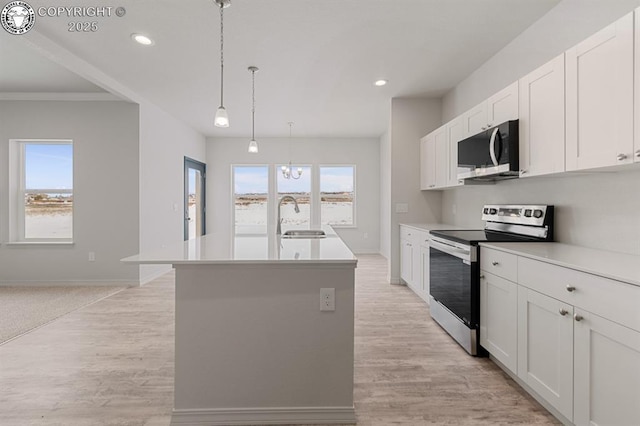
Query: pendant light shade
[[221, 118], [253, 145]]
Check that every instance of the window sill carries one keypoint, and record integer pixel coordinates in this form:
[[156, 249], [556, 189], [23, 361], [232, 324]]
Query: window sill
[[343, 226], [40, 243]]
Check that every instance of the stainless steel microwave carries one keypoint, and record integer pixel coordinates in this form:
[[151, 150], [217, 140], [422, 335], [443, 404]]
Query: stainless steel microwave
[[491, 154]]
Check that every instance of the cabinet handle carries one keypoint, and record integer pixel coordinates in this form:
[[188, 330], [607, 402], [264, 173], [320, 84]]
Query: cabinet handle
[[563, 312], [622, 157], [523, 172], [638, 153], [489, 125], [483, 128], [578, 317], [571, 288], [494, 263], [482, 277]]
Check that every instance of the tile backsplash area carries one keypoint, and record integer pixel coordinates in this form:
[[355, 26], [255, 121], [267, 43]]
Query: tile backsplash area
[[598, 210]]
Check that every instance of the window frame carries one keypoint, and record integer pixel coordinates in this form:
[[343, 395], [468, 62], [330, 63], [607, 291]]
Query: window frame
[[232, 179], [355, 195], [19, 191]]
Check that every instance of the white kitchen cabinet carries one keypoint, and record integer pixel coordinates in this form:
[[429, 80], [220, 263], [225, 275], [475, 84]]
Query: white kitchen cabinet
[[607, 372], [441, 159], [499, 318], [416, 273], [425, 271], [427, 174], [599, 98], [541, 125], [636, 98], [545, 348], [454, 135], [406, 255], [501, 107]]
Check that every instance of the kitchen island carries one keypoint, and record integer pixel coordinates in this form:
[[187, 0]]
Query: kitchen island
[[252, 344]]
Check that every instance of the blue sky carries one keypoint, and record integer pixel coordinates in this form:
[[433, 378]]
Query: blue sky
[[254, 179], [49, 166]]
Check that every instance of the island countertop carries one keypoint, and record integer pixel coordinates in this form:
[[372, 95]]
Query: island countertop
[[251, 245]]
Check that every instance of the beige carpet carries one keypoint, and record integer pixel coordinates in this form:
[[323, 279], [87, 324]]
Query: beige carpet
[[23, 309]]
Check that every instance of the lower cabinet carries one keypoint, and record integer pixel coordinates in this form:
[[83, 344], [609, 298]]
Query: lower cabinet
[[545, 348], [607, 372], [406, 261], [498, 318], [424, 271], [583, 365], [414, 260]]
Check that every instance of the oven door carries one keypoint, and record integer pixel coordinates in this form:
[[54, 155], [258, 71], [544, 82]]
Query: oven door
[[452, 279]]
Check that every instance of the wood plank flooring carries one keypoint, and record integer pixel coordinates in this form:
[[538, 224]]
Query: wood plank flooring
[[111, 363]]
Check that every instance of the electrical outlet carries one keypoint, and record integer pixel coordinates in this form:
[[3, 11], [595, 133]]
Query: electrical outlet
[[92, 256], [327, 299]]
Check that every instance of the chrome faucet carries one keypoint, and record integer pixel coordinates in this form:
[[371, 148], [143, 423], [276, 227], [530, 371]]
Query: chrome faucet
[[297, 209]]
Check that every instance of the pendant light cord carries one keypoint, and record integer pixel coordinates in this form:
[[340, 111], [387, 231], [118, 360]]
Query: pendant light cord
[[253, 108], [221, 54]]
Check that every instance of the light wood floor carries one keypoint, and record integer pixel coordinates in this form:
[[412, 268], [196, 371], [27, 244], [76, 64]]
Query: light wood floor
[[111, 363]]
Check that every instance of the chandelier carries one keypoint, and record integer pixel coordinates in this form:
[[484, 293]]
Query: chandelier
[[287, 171]]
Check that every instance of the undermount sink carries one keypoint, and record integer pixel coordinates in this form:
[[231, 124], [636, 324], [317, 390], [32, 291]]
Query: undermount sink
[[304, 233]]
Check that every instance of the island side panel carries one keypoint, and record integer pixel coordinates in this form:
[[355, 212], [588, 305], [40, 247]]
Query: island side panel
[[253, 336]]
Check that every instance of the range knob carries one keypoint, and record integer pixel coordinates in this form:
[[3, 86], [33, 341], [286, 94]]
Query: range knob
[[527, 213], [537, 214], [485, 210], [493, 211]]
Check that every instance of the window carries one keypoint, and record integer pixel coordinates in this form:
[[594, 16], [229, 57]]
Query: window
[[300, 189], [45, 191], [250, 193], [337, 195]]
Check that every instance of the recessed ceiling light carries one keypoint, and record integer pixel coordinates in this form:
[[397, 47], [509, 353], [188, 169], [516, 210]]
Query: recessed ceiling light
[[142, 39], [380, 82]]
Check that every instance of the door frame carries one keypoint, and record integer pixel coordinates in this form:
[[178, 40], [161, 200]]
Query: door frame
[[190, 163]]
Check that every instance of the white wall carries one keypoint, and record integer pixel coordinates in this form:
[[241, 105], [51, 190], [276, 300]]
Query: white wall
[[411, 119], [164, 142], [385, 196], [593, 210], [364, 153], [105, 144]]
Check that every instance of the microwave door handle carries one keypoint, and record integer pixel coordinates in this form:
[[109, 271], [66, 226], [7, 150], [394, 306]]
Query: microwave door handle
[[492, 146]]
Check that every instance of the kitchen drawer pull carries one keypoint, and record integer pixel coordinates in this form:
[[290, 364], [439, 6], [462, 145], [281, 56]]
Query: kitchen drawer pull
[[563, 312], [578, 317], [482, 277], [494, 263], [571, 288], [622, 157], [638, 153]]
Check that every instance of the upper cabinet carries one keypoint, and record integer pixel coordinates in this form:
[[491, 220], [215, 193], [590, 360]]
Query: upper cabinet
[[454, 135], [636, 86], [599, 96], [427, 174], [542, 146], [501, 107]]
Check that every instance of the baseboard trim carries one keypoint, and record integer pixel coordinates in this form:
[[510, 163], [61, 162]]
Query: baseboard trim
[[263, 416]]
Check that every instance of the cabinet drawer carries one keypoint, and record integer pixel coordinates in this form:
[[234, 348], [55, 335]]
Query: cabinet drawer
[[407, 233], [610, 299], [499, 263]]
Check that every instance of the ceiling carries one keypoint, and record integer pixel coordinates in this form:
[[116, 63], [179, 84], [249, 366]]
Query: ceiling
[[317, 59]]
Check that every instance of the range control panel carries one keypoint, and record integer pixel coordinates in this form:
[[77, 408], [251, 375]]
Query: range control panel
[[526, 214]]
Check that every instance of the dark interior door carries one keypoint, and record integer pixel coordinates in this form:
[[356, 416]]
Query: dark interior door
[[194, 198]]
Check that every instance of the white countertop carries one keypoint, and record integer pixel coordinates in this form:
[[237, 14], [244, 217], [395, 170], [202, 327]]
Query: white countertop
[[430, 226], [616, 266], [251, 246]]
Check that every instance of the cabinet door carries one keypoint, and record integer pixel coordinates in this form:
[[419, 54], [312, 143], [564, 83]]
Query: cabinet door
[[416, 273], [406, 261], [541, 99], [441, 157], [475, 120], [599, 109], [503, 106], [424, 163], [545, 348], [637, 88], [431, 162], [498, 318], [607, 372], [424, 271], [454, 135]]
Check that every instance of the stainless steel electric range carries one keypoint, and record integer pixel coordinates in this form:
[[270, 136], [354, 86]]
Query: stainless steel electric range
[[454, 265]]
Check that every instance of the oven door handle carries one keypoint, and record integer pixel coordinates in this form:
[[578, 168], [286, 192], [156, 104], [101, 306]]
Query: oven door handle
[[453, 251]]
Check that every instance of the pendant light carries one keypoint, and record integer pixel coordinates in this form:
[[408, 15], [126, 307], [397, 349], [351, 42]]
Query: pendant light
[[253, 145], [222, 119], [287, 172]]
